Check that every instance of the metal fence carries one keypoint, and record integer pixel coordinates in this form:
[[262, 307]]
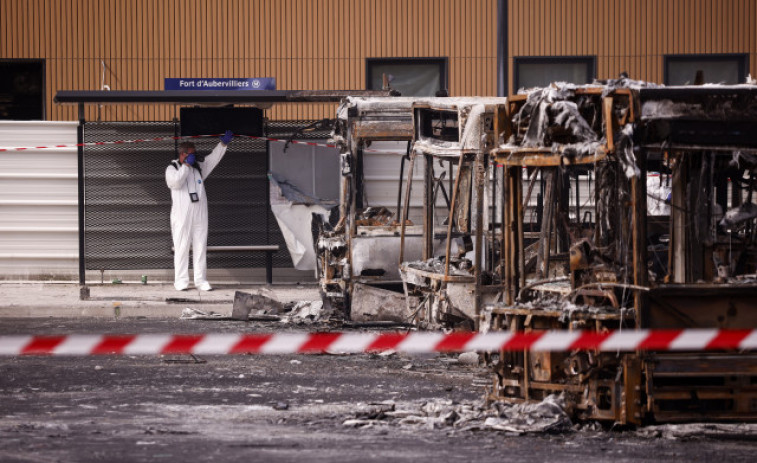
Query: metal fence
[[127, 202]]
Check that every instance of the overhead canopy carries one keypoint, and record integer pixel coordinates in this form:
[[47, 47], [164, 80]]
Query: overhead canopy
[[209, 96]]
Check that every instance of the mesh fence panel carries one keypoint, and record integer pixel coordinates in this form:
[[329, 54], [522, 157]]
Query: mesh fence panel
[[294, 129], [127, 202]]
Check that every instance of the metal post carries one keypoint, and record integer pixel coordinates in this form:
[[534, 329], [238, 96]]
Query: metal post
[[578, 198], [358, 178], [502, 45], [402, 175], [493, 216], [505, 221], [269, 267], [403, 218], [452, 215], [517, 231], [80, 168], [176, 134], [480, 235], [507, 236], [547, 224], [428, 212], [639, 214], [268, 257], [563, 200]]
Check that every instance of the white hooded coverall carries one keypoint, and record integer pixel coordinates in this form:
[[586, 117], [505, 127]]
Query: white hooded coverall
[[189, 221]]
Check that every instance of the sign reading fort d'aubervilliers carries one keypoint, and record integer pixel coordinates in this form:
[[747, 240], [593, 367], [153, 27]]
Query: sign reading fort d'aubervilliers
[[204, 83]]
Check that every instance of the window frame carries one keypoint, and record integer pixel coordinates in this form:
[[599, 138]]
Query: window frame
[[43, 64], [441, 61], [742, 58], [589, 60]]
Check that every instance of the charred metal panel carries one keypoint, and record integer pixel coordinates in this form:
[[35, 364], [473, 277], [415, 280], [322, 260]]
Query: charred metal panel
[[692, 386], [712, 116], [370, 304], [702, 306]]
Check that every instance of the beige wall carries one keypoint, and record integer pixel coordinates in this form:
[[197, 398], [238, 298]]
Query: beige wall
[[304, 44], [322, 44], [631, 35]]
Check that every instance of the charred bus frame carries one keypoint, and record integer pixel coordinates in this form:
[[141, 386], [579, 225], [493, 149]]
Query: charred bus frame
[[358, 259], [597, 275], [446, 291]]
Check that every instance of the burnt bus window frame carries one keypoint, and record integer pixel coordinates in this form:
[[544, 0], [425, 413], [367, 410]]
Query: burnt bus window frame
[[437, 124], [442, 62], [589, 60], [741, 58], [43, 82]]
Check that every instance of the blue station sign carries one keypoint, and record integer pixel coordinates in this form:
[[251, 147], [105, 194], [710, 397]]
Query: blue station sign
[[255, 83]]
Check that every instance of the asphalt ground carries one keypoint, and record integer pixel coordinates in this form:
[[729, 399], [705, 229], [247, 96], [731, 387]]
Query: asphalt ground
[[281, 408]]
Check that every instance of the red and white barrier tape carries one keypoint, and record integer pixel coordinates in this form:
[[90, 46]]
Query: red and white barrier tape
[[416, 342], [143, 140]]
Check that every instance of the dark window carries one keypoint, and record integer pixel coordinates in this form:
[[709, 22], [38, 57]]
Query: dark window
[[409, 76], [22, 89], [542, 71], [705, 69]]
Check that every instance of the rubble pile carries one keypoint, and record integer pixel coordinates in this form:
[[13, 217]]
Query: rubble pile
[[700, 430], [457, 266], [377, 217], [547, 416], [306, 312], [199, 314], [263, 305]]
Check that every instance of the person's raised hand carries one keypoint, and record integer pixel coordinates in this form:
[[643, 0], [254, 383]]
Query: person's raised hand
[[191, 159], [227, 137]]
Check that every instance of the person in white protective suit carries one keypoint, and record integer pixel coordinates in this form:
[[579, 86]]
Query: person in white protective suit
[[185, 177]]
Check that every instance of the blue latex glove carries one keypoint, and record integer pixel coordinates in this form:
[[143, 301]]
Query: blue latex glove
[[191, 159], [227, 137]]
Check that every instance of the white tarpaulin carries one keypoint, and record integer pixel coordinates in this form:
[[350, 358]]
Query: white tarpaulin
[[295, 222]]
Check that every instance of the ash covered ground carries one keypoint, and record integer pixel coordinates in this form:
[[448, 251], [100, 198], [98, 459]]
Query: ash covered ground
[[293, 408]]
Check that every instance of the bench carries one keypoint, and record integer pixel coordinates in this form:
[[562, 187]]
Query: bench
[[269, 249]]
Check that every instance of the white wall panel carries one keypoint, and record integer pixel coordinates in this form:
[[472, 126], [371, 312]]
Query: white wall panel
[[38, 201]]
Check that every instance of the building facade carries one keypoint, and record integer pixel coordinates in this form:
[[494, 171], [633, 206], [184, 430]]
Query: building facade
[[468, 47], [662, 41], [303, 44]]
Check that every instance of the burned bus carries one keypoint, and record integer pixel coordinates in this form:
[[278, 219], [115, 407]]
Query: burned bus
[[448, 285], [612, 264], [359, 259]]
